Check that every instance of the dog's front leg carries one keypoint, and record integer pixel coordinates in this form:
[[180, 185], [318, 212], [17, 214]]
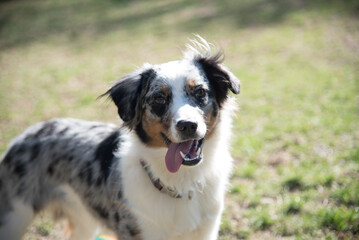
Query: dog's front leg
[[14, 224]]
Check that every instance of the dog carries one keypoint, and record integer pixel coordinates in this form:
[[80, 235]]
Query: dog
[[161, 175]]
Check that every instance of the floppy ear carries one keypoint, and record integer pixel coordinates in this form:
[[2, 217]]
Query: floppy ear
[[220, 78], [128, 95]]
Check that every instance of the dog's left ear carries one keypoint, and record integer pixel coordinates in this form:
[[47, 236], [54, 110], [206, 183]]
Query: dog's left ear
[[128, 95], [220, 78]]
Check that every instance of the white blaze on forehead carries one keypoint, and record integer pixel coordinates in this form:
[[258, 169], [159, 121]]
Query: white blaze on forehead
[[176, 73]]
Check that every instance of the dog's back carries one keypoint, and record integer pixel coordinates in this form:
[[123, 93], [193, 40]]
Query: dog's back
[[59, 164]]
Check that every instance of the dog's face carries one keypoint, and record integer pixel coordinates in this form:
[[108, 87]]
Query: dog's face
[[175, 105]]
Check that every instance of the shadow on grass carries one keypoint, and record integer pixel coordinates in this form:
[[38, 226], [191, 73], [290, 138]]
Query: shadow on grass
[[23, 22]]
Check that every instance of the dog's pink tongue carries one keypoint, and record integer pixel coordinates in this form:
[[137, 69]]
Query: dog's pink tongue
[[173, 157]]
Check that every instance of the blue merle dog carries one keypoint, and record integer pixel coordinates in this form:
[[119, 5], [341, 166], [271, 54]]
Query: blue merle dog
[[162, 175]]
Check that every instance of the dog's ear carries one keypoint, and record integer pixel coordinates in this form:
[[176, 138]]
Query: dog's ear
[[219, 77], [128, 95]]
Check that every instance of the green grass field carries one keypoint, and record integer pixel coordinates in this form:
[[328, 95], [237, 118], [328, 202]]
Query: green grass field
[[296, 133]]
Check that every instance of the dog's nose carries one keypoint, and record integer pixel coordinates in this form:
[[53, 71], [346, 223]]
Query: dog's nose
[[186, 127]]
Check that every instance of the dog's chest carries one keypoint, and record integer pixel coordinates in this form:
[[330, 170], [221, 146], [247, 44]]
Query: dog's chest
[[162, 216]]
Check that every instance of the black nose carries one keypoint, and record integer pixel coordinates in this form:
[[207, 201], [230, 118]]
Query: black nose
[[186, 127]]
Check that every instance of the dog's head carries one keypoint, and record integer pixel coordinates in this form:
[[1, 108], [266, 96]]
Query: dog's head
[[176, 105]]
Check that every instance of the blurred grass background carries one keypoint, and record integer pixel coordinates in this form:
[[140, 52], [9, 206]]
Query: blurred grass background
[[296, 135]]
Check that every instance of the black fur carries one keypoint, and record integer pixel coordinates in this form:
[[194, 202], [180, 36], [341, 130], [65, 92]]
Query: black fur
[[86, 174], [160, 109], [117, 217], [141, 133], [20, 169], [46, 130], [219, 78], [215, 109], [128, 94], [105, 153], [132, 230], [101, 211], [35, 151]]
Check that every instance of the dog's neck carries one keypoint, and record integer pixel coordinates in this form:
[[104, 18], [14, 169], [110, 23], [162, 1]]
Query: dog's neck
[[160, 186]]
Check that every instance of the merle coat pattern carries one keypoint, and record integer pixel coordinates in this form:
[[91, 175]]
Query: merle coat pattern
[[67, 151], [96, 173]]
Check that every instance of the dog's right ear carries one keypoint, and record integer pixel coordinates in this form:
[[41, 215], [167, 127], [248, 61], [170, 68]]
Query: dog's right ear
[[128, 95]]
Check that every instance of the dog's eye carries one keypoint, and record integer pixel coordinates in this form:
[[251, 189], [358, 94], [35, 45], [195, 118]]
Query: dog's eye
[[159, 100], [200, 93]]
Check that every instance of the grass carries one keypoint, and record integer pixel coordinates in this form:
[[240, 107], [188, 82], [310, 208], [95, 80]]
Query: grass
[[45, 228], [296, 134]]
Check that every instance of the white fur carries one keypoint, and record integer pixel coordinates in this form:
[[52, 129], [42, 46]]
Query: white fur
[[163, 217]]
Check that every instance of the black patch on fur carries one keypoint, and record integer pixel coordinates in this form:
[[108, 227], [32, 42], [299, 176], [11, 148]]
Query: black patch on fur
[[86, 174], [8, 158], [105, 153], [89, 177], [35, 150], [159, 109], [20, 169], [133, 232], [63, 131], [21, 189], [128, 94], [220, 90], [141, 133], [51, 169], [119, 194], [202, 102], [46, 130], [37, 206], [99, 181], [117, 217], [20, 149], [219, 78], [215, 109], [16, 150], [101, 211]]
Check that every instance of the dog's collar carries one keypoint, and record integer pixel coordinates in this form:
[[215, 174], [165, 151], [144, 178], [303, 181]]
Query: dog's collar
[[160, 186]]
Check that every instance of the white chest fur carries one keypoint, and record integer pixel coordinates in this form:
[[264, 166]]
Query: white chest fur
[[161, 216]]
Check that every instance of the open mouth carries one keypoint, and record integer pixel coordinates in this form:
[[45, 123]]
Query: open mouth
[[185, 153]]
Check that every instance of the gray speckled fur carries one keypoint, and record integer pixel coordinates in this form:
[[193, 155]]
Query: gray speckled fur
[[67, 152]]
